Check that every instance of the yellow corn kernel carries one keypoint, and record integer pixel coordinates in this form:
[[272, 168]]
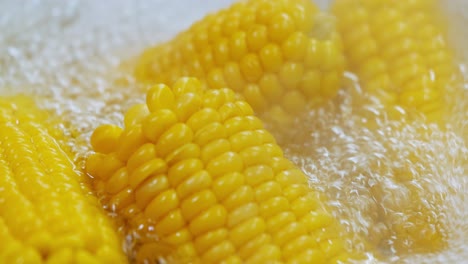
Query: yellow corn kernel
[[112, 134], [47, 212], [237, 199], [262, 49], [135, 114], [399, 50]]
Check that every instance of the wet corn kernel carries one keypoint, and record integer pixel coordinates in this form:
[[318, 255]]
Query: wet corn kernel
[[236, 198], [264, 50], [47, 212], [399, 51]]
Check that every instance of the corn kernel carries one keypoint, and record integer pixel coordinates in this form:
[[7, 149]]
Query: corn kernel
[[244, 47], [105, 138], [47, 214], [415, 39], [400, 52], [213, 184]]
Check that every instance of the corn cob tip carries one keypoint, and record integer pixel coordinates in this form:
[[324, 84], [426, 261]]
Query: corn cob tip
[[199, 169], [279, 56]]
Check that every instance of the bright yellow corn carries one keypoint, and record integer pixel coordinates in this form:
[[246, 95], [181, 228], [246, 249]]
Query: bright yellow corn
[[200, 174], [47, 215], [399, 51], [279, 55]]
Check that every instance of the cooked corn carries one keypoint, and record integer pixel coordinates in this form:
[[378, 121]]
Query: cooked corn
[[199, 169], [399, 51], [46, 213], [278, 55]]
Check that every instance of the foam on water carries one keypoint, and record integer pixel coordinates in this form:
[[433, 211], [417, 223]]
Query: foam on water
[[68, 54], [371, 175]]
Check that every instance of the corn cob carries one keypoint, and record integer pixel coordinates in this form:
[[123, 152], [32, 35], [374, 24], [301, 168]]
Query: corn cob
[[399, 51], [280, 56], [46, 213], [197, 168]]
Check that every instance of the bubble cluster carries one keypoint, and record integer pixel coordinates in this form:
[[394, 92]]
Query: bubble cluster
[[388, 181]]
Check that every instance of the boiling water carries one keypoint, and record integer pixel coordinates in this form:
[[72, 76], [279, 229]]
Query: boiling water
[[71, 54]]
